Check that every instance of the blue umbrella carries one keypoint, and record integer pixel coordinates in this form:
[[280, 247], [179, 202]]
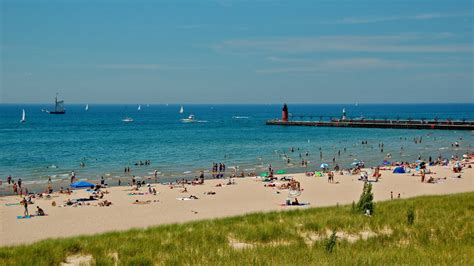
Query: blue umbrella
[[324, 165]]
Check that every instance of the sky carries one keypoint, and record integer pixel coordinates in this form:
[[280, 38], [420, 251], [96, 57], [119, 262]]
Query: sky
[[237, 51]]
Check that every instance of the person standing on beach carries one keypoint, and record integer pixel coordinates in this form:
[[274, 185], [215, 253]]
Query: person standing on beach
[[24, 202], [19, 183], [9, 179], [73, 176], [201, 177], [15, 188]]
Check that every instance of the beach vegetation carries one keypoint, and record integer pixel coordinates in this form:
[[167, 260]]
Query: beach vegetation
[[366, 202], [442, 234]]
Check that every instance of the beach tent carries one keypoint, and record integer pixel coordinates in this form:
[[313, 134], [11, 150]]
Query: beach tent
[[399, 170], [263, 174], [82, 184], [280, 172], [324, 165]]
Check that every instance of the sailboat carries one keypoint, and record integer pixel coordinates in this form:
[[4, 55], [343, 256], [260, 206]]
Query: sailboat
[[23, 117], [139, 107], [87, 107], [181, 110], [58, 107]]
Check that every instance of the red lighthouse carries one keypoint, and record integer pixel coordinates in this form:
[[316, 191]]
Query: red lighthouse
[[284, 113]]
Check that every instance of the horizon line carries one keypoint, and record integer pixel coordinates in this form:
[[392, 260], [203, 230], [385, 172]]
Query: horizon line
[[271, 103]]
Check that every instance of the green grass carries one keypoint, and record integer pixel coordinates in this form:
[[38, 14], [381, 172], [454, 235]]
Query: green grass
[[441, 233]]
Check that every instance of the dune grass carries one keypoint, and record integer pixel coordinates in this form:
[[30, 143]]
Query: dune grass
[[419, 231]]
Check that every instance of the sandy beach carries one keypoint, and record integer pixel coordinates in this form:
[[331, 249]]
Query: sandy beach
[[248, 195]]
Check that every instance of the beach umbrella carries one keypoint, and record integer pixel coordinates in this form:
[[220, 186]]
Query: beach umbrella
[[82, 184], [324, 165], [399, 170], [281, 172]]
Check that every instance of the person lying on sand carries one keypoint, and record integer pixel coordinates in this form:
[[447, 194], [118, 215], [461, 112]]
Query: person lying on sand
[[142, 202], [105, 203], [210, 193], [432, 180], [185, 190]]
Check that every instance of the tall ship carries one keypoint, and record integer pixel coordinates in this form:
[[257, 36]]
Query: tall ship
[[58, 107]]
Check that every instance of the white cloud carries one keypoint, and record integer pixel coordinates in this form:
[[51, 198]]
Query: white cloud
[[149, 67], [403, 43], [351, 64], [426, 16]]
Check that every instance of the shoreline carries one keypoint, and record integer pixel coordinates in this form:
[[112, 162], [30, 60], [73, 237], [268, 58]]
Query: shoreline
[[248, 195]]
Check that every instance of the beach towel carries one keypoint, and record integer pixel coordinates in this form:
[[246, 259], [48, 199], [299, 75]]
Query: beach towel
[[24, 217], [29, 216], [139, 194], [185, 198], [301, 204]]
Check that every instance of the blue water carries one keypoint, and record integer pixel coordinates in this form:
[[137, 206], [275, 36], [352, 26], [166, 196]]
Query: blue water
[[106, 144]]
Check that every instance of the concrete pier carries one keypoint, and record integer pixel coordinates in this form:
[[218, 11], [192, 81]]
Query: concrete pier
[[375, 123]]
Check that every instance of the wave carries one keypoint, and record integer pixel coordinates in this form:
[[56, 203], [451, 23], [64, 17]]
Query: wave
[[240, 117]]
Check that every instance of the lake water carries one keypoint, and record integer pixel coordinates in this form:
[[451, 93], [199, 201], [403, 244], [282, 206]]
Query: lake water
[[54, 145]]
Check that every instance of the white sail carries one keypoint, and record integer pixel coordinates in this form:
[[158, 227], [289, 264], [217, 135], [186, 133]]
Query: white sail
[[181, 110], [23, 117], [87, 107], [139, 107]]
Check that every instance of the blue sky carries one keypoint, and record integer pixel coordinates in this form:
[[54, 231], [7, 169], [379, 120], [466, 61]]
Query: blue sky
[[227, 51]]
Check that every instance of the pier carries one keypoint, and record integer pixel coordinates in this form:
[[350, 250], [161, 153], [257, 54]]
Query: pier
[[344, 121]]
